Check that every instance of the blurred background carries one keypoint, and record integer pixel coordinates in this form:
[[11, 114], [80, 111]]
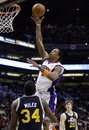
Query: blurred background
[[65, 26]]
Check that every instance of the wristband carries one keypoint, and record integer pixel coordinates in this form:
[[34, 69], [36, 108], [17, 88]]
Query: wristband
[[45, 73]]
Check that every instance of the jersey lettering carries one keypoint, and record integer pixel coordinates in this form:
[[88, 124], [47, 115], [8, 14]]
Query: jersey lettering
[[72, 125], [27, 116]]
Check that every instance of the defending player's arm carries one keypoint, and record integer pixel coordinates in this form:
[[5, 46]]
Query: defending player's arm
[[39, 39], [50, 75], [62, 121], [14, 116]]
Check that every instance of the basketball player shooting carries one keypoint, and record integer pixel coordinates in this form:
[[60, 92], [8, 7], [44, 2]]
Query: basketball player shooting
[[50, 72]]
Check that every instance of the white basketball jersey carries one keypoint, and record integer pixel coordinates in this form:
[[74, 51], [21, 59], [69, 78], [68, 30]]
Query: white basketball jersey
[[44, 84]]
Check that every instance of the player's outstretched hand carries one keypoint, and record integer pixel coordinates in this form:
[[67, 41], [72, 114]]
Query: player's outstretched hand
[[32, 62], [37, 20]]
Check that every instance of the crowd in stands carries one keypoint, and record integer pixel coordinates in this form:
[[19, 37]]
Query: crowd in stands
[[73, 33], [67, 34], [79, 95], [8, 93], [70, 34]]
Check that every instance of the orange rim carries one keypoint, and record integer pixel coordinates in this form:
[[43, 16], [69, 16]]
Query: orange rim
[[18, 8]]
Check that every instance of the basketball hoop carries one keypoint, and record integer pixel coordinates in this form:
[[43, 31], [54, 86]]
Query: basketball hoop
[[7, 15]]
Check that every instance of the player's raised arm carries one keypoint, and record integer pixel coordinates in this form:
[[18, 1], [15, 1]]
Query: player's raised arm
[[39, 39]]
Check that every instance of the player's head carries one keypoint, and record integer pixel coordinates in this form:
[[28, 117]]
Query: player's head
[[68, 103], [29, 88], [55, 54]]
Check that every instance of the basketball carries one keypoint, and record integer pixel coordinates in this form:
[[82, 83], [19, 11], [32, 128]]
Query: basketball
[[38, 10]]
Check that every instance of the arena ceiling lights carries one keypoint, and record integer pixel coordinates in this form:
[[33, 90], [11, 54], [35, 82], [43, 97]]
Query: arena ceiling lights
[[24, 65]]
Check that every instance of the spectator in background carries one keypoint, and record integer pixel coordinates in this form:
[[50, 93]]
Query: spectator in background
[[1, 122]]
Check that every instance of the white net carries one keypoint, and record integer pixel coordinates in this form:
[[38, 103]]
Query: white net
[[7, 15]]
